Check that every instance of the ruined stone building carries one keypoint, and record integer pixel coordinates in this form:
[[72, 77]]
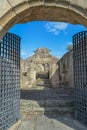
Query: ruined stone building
[[42, 65]]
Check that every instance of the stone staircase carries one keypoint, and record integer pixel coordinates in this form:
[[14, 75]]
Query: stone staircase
[[43, 83], [46, 100]]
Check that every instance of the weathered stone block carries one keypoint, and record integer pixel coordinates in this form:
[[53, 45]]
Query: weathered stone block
[[4, 7]]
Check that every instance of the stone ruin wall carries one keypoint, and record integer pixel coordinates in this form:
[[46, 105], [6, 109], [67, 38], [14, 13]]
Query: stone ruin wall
[[66, 70], [63, 72], [60, 72]]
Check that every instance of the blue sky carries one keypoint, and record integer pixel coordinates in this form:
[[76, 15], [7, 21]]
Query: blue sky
[[53, 35]]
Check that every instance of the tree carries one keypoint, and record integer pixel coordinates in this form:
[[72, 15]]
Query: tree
[[69, 47]]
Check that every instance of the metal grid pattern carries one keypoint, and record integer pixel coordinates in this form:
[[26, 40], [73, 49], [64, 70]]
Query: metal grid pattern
[[9, 80], [80, 75]]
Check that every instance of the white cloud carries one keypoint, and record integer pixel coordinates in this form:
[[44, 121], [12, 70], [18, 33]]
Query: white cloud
[[56, 27], [69, 43], [31, 54], [23, 53]]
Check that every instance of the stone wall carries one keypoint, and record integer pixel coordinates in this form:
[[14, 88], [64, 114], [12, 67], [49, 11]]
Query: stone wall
[[54, 75], [66, 70], [28, 75]]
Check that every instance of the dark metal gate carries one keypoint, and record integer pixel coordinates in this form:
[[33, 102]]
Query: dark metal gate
[[9, 80], [80, 75]]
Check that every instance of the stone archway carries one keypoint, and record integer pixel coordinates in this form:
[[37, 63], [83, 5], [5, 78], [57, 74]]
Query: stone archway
[[21, 11]]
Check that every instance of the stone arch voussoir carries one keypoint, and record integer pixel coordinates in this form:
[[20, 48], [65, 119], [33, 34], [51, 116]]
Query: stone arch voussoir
[[21, 11]]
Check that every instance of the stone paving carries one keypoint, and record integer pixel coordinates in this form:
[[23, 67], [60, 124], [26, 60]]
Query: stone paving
[[48, 122]]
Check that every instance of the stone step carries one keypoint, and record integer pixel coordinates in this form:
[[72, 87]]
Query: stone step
[[60, 109], [39, 79], [51, 90], [44, 85], [43, 82], [45, 103], [40, 94], [42, 110], [43, 106], [47, 100]]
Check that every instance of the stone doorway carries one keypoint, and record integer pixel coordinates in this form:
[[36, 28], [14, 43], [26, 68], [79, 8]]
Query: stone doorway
[[42, 75]]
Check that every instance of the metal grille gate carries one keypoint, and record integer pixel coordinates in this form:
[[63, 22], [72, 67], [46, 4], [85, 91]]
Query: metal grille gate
[[80, 75], [9, 80]]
